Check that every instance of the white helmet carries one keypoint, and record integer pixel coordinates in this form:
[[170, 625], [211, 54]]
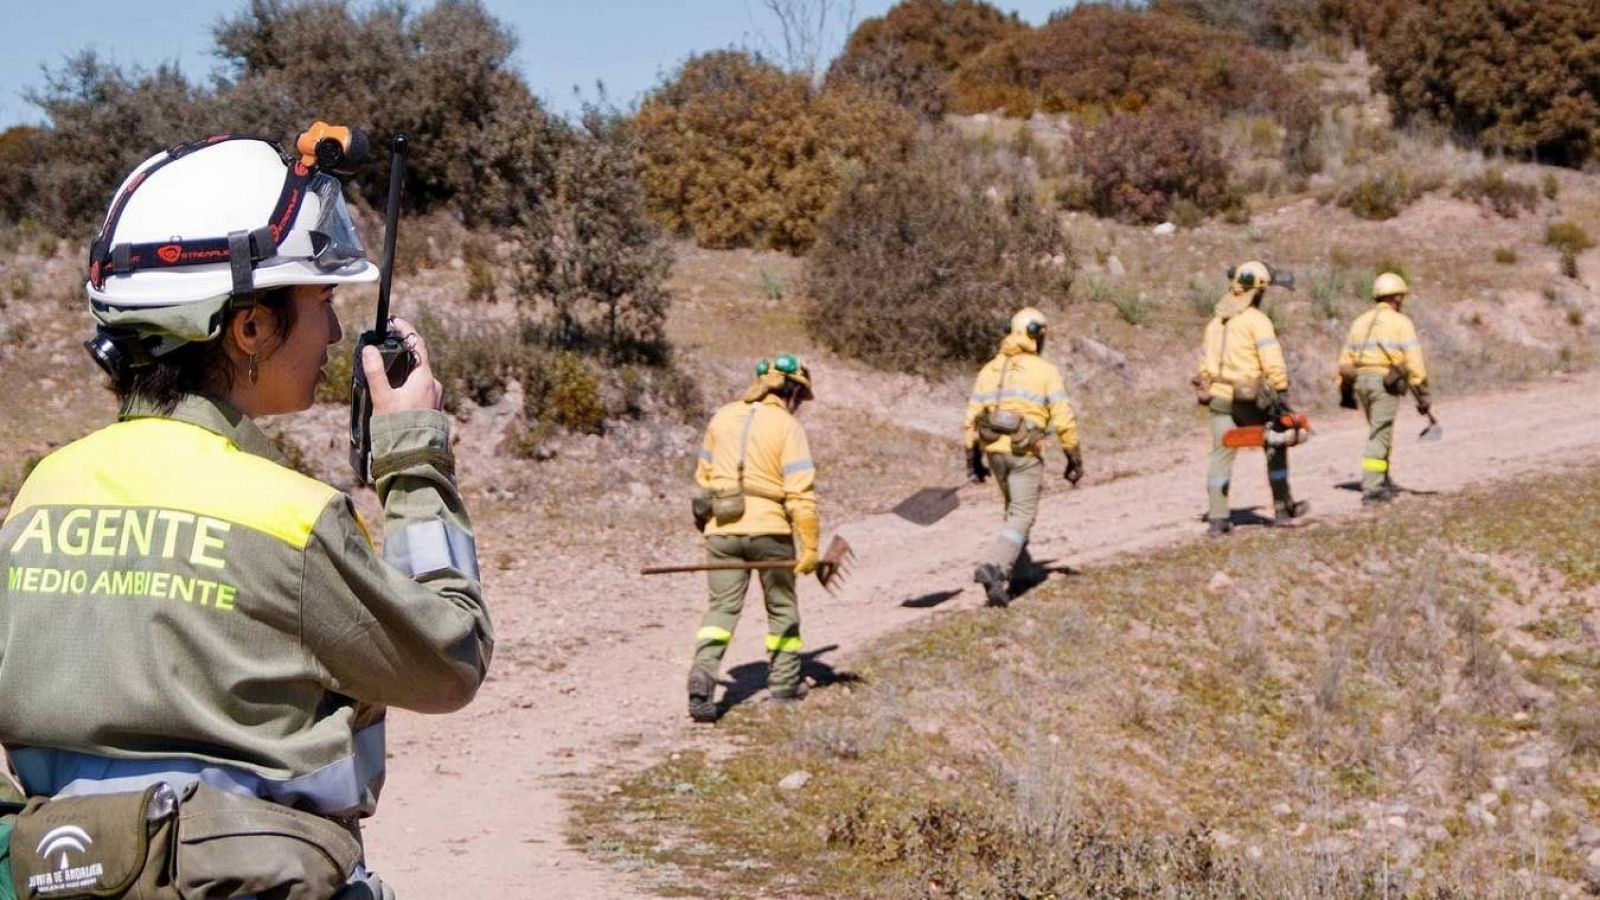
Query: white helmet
[[197, 225]]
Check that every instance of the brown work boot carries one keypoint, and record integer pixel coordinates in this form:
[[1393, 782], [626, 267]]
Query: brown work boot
[[996, 586], [702, 688], [1294, 509], [790, 695]]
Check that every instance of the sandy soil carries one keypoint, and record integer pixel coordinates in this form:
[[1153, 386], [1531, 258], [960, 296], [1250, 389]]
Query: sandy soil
[[589, 670]]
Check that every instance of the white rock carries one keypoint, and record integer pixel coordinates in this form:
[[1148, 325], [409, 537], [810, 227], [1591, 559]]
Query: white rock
[[1533, 759], [794, 781], [1115, 268], [1592, 866], [1437, 833], [640, 490], [1253, 853], [1395, 822], [1589, 834], [1488, 800], [1539, 811], [1282, 810], [1223, 840], [1220, 583], [1481, 818], [1500, 783], [1164, 229]]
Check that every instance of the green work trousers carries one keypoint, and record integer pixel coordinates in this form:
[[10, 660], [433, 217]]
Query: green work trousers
[[1220, 474], [1019, 478], [727, 600], [1381, 408]]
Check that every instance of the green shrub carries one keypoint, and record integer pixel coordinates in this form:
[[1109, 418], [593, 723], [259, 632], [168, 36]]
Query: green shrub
[[739, 153], [1137, 167], [479, 260], [1551, 185], [1505, 256], [1493, 189], [1519, 77], [1384, 193], [1567, 237], [1132, 306], [568, 394], [918, 244], [442, 74], [907, 55]]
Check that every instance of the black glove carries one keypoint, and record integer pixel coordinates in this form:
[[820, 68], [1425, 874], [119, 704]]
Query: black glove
[[1074, 470], [700, 505], [1424, 402], [976, 471]]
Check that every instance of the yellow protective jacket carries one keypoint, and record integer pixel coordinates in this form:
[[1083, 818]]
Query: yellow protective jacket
[[1381, 337], [1032, 387], [779, 476], [1241, 346]]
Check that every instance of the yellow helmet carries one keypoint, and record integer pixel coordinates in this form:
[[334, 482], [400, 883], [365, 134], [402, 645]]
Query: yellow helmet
[[1029, 323], [1388, 285], [1250, 276]]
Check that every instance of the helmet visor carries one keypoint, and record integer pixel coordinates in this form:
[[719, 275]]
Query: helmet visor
[[335, 243]]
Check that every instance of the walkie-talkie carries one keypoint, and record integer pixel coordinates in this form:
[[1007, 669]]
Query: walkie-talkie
[[398, 359]]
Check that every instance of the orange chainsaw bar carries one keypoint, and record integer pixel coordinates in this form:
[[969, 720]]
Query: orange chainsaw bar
[[1256, 435]]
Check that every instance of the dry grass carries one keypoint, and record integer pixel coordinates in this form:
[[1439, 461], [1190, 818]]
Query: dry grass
[[1360, 715]]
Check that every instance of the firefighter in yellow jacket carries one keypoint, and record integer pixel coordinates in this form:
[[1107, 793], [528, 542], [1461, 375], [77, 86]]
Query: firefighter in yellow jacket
[[1018, 398], [1381, 360], [757, 502], [1241, 377]]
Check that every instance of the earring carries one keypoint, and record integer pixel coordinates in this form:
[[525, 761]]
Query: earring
[[250, 370]]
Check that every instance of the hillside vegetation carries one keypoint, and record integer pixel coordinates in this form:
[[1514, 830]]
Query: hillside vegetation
[[1388, 706]]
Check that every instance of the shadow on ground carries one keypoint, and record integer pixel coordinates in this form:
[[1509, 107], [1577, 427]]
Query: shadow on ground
[[745, 681]]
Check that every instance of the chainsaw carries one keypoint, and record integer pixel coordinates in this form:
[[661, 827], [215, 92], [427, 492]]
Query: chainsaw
[[1284, 429]]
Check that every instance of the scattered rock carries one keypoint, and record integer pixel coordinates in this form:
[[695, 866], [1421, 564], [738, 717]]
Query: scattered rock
[[1533, 760], [1395, 822], [1591, 869], [1481, 818], [1376, 567], [1407, 852], [640, 490], [1253, 853], [1500, 783], [1589, 834], [794, 781], [1164, 229], [1100, 354], [1115, 268], [1539, 811], [1282, 810], [1223, 840], [1220, 583], [1488, 799], [1437, 833]]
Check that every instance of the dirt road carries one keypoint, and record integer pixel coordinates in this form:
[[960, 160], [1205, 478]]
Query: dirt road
[[474, 801]]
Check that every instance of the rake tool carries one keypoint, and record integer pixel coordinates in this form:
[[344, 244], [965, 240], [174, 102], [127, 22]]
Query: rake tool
[[831, 570]]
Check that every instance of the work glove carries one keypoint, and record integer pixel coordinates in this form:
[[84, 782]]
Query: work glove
[[1074, 470], [976, 470], [1424, 402], [808, 538]]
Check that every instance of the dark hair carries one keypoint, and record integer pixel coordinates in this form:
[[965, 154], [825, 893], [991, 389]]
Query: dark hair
[[201, 367]]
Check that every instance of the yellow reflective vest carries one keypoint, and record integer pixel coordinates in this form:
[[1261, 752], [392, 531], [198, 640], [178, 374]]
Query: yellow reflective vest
[[1018, 380], [1381, 337], [779, 476], [1241, 346]]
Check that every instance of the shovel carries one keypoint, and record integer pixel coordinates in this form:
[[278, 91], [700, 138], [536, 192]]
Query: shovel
[[929, 505], [1433, 432], [835, 564]]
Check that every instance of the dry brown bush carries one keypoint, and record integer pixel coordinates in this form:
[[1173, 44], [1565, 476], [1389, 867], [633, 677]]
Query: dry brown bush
[[907, 55], [921, 260], [1518, 76], [1100, 56], [1139, 168], [739, 153]]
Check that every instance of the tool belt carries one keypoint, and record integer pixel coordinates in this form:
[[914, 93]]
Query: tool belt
[[200, 843]]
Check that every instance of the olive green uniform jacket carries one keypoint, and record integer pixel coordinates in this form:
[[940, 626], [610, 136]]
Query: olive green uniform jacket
[[177, 604]]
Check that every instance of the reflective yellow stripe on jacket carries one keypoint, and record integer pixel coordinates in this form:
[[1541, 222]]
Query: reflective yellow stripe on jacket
[[779, 475], [181, 469], [1381, 337], [1241, 346], [1032, 387]]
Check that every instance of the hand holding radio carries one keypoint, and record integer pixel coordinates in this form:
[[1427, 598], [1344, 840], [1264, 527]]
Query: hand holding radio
[[415, 388]]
